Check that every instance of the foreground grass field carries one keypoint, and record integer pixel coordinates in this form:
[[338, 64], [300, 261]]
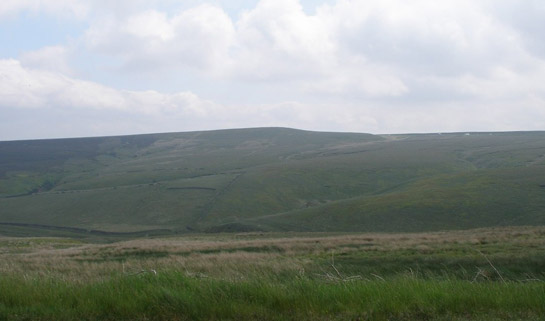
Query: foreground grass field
[[485, 274]]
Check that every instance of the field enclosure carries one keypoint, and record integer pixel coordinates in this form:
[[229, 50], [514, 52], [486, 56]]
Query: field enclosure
[[485, 274]]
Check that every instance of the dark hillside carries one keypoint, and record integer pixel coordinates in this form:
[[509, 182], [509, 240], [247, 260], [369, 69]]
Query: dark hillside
[[273, 179]]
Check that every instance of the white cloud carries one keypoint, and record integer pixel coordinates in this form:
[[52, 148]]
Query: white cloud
[[504, 84], [150, 24], [50, 104], [65, 8], [359, 65], [352, 47], [53, 58], [274, 42], [22, 87], [195, 38], [278, 40]]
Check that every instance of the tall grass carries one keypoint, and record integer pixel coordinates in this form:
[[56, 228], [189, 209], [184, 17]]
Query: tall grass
[[174, 296], [490, 274]]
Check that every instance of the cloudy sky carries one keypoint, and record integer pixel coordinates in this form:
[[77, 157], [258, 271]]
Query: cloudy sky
[[72, 68]]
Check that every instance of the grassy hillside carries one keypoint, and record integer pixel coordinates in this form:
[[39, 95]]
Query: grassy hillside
[[271, 179]]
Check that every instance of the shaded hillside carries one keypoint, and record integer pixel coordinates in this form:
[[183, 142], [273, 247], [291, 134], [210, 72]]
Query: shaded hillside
[[273, 179]]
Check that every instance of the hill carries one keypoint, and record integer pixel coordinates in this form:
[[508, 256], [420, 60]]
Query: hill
[[271, 179]]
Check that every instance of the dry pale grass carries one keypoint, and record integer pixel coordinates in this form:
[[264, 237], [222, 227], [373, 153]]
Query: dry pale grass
[[229, 256]]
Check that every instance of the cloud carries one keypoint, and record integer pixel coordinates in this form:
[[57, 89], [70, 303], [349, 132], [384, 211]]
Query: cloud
[[276, 42], [524, 17], [358, 65], [93, 109], [354, 48], [22, 87], [196, 38], [65, 8], [31, 98], [52, 58]]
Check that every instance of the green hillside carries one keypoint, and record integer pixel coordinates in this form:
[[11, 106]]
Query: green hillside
[[271, 179]]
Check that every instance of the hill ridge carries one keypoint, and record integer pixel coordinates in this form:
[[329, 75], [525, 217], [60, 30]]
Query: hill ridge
[[249, 178]]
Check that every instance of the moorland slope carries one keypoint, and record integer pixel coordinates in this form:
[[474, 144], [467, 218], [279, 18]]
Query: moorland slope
[[271, 179]]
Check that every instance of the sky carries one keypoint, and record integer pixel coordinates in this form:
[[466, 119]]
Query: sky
[[76, 68]]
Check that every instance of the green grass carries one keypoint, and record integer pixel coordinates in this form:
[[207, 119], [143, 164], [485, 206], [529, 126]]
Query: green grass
[[489, 197], [486, 274], [174, 296], [274, 179]]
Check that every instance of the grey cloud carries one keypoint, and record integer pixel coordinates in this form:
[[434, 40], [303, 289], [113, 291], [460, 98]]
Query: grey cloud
[[524, 17]]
